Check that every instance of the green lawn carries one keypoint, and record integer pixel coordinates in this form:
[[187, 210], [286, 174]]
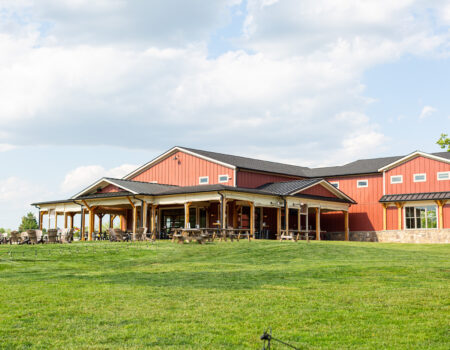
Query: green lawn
[[318, 295]]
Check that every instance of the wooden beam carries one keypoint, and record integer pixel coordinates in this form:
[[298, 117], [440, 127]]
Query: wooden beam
[[317, 224], [86, 205], [187, 205], [91, 223], [131, 202], [286, 218], [441, 204], [144, 214], [41, 217], [399, 213], [346, 229], [134, 220], [56, 220], [252, 219], [65, 220], [224, 213], [279, 223], [71, 220], [299, 222]]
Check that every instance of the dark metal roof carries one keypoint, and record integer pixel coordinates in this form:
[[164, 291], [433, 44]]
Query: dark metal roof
[[141, 187], [407, 197], [252, 163], [105, 195], [361, 166], [288, 187]]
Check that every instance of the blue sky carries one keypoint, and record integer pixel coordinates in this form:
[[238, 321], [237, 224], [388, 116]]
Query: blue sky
[[96, 88]]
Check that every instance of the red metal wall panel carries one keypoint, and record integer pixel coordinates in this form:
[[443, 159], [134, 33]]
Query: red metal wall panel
[[392, 218], [185, 170], [110, 188], [418, 165], [319, 190], [367, 215], [249, 179], [446, 215]]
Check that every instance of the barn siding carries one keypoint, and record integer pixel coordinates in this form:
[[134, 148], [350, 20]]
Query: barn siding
[[185, 171], [249, 179], [110, 189], [367, 215], [319, 190], [418, 165]]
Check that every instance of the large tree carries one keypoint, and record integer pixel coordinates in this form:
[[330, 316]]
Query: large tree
[[28, 222], [444, 142]]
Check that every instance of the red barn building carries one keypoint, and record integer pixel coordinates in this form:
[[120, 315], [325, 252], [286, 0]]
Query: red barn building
[[384, 199]]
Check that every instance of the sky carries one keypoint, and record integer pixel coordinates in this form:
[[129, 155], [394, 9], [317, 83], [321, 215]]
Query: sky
[[93, 88]]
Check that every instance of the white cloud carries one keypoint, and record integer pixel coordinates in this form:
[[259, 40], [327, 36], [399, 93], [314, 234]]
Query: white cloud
[[6, 147], [427, 111], [83, 176]]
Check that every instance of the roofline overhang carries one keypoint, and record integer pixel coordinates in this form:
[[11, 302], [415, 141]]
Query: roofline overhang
[[95, 184], [169, 153], [328, 186], [412, 156]]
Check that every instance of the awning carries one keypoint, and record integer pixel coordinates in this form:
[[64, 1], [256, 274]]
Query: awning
[[408, 197]]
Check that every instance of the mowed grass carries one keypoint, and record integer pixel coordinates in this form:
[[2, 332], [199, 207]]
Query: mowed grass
[[318, 295]]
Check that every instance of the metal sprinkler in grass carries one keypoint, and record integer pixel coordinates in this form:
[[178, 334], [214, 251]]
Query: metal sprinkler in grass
[[267, 339]]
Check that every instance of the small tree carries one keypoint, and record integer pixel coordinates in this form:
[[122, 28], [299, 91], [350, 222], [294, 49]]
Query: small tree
[[29, 222], [2, 230], [444, 142]]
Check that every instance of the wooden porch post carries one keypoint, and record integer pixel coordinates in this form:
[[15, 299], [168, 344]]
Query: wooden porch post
[[261, 220], [82, 231], [133, 206], [153, 218], [48, 227], [299, 223], [224, 213], [187, 205], [252, 219], [56, 219], [286, 218], [100, 222], [278, 223], [41, 217], [441, 204], [91, 223], [111, 220], [65, 220], [71, 219], [384, 216], [317, 224], [144, 214], [346, 229], [399, 213]]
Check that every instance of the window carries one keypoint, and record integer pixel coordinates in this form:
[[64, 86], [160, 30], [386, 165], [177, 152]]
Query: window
[[335, 184], [420, 177], [362, 183], [397, 179], [223, 178], [445, 175], [421, 217], [203, 180]]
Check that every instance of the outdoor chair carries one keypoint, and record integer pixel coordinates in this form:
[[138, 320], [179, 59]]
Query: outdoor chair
[[39, 236], [15, 238], [67, 236], [140, 234], [52, 236], [32, 237], [119, 235], [4, 239], [24, 238]]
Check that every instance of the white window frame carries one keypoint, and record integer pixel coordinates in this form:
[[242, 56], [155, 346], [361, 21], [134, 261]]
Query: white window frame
[[443, 172], [335, 183], [414, 205], [228, 178], [359, 186], [395, 183], [424, 180], [203, 183]]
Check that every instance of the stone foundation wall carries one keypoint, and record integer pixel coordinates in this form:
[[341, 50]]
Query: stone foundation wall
[[399, 236]]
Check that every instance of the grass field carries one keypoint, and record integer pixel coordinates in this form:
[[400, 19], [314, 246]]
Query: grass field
[[318, 295]]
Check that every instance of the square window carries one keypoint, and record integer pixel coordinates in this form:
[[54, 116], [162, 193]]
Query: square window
[[420, 177], [203, 180], [362, 183], [397, 179], [223, 178], [444, 175]]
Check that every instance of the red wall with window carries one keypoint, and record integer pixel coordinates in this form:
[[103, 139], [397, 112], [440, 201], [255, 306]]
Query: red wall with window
[[418, 165], [185, 170], [367, 215], [249, 179], [319, 190]]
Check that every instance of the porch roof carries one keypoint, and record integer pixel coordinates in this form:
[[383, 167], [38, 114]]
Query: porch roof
[[408, 197]]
